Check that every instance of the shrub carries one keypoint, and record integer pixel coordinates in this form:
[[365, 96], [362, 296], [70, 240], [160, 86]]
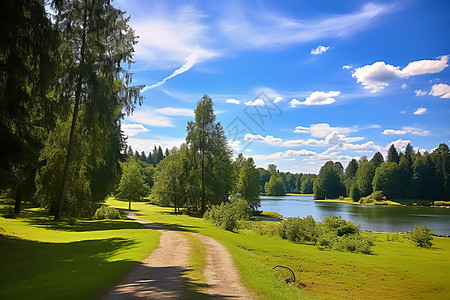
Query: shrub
[[106, 212], [9, 213], [299, 230], [422, 236], [377, 195], [354, 193], [339, 226], [353, 243], [226, 215]]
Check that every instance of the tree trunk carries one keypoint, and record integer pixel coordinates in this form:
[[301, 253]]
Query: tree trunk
[[74, 121], [129, 205], [203, 204]]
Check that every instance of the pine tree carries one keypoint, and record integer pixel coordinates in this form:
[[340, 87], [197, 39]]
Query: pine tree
[[392, 155], [377, 159], [143, 157]]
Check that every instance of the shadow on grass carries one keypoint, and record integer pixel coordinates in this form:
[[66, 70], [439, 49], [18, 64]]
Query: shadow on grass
[[178, 227], [76, 270]]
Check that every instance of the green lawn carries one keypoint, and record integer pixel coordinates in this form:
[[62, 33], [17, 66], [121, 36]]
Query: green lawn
[[397, 269], [43, 259]]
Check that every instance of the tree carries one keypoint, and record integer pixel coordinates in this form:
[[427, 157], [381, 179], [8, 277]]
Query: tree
[[424, 178], [170, 178], [29, 64], [264, 176], [388, 180], [364, 178], [96, 41], [132, 186], [307, 183], [392, 155], [409, 152], [354, 193], [248, 184], [272, 168], [206, 138], [275, 186], [328, 183], [377, 159], [441, 161], [351, 169]]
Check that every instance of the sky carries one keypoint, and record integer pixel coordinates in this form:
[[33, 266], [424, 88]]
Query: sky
[[294, 83]]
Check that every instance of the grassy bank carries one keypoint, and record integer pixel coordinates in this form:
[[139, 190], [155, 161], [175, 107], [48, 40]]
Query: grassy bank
[[44, 259], [295, 194], [350, 201], [402, 269]]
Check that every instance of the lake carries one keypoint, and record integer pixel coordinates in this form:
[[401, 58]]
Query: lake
[[370, 217]]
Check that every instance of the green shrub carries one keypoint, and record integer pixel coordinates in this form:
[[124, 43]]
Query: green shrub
[[353, 243], [377, 195], [106, 212], [354, 193], [299, 230], [226, 215], [9, 213], [422, 236], [339, 226]]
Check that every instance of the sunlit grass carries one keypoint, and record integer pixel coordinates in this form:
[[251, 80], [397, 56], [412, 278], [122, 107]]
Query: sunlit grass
[[397, 269], [44, 259]]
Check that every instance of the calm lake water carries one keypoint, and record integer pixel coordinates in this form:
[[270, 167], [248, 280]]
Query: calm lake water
[[370, 217]]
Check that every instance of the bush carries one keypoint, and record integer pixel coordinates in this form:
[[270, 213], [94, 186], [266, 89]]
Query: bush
[[377, 195], [299, 230], [354, 193], [106, 212], [339, 226], [226, 215], [422, 236], [9, 213]]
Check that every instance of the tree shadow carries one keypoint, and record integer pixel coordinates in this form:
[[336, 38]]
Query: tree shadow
[[75, 270], [178, 227]]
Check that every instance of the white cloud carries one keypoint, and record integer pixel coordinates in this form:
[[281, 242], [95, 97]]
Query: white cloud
[[420, 111], [175, 111], [407, 130], [234, 101], [256, 102], [133, 129], [259, 138], [324, 129], [317, 98], [400, 144], [425, 66], [404, 86], [420, 93], [376, 77], [278, 99], [319, 50], [159, 117], [348, 67], [149, 117], [440, 90], [394, 132]]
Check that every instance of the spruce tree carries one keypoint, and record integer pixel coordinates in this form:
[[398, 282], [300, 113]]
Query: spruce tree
[[392, 155]]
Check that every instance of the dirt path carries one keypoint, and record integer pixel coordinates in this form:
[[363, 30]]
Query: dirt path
[[159, 277], [222, 276]]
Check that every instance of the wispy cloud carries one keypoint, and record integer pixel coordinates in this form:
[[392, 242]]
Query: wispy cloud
[[233, 101], [159, 117], [133, 129], [407, 130], [264, 28]]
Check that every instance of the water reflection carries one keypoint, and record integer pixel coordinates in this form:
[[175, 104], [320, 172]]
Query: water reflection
[[370, 217]]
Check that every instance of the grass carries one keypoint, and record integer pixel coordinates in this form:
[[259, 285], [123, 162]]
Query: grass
[[271, 214], [397, 269], [44, 259], [195, 274]]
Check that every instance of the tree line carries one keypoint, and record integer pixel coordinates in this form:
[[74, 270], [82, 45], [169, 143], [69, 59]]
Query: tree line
[[65, 85], [404, 175], [273, 182]]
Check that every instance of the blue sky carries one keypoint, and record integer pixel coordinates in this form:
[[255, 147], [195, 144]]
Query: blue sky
[[295, 83]]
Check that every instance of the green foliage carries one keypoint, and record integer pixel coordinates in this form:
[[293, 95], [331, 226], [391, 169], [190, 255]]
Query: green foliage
[[364, 178], [248, 183], [339, 226], [328, 182], [106, 212], [423, 237], [388, 178], [299, 230], [392, 155], [275, 186], [132, 186], [226, 215], [354, 193], [307, 183]]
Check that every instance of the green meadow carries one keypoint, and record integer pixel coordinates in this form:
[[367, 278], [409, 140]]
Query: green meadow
[[44, 259]]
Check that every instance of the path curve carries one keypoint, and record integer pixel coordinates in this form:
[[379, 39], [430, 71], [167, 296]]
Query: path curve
[[222, 276], [160, 275]]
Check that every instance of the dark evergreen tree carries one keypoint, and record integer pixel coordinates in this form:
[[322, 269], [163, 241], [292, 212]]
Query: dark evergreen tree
[[351, 169], [392, 155], [377, 159], [130, 152], [143, 157]]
